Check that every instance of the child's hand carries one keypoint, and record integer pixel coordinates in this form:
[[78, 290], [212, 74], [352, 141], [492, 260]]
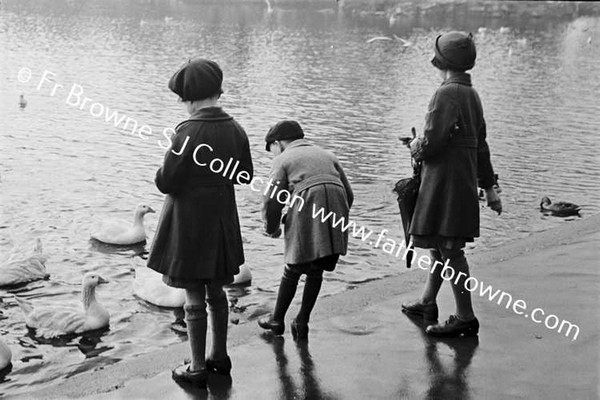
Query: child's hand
[[275, 234], [493, 200], [406, 141]]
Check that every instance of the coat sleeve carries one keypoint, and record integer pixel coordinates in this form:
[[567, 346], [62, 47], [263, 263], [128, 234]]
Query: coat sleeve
[[172, 174], [441, 117], [271, 210], [246, 160], [345, 182], [485, 172]]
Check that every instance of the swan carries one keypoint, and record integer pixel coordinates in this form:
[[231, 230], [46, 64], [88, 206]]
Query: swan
[[560, 209], [5, 355], [52, 321], [22, 270], [120, 232], [149, 286]]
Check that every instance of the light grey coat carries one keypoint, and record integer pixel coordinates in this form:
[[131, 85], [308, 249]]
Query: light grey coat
[[316, 180]]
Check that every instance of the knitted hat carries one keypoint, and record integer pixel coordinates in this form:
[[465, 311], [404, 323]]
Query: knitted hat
[[198, 79], [454, 50]]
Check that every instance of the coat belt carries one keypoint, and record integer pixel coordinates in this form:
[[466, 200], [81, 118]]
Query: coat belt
[[317, 180]]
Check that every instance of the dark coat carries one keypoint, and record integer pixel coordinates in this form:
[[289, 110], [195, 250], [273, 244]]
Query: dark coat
[[455, 158], [316, 176], [198, 235]]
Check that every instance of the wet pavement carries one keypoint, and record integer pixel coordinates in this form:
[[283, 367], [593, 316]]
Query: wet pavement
[[373, 351]]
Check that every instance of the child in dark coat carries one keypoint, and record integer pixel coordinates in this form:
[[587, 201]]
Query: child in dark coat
[[455, 160], [198, 244]]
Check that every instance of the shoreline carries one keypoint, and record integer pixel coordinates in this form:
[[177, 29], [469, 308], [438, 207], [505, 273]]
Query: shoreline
[[117, 375]]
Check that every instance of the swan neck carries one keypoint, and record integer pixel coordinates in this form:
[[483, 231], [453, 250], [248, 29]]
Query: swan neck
[[138, 218], [89, 296]]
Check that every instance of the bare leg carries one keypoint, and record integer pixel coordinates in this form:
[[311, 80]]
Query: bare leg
[[462, 297], [434, 280]]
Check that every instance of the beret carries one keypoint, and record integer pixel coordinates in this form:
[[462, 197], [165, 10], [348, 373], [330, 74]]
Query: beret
[[286, 129], [196, 80]]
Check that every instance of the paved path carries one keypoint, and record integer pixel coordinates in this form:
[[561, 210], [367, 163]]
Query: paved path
[[362, 347]]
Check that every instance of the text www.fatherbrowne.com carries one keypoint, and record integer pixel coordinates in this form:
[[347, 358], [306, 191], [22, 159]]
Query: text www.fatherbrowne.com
[[390, 246]]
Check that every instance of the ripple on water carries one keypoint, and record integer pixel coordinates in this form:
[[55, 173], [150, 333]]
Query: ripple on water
[[68, 169]]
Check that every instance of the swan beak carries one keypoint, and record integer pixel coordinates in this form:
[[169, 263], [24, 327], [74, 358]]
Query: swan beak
[[101, 280], [150, 210]]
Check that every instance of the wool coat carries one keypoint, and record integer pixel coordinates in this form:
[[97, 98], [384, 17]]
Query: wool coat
[[455, 159], [198, 235], [316, 181]]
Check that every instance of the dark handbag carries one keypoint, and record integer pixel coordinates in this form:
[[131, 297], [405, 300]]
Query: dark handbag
[[407, 190]]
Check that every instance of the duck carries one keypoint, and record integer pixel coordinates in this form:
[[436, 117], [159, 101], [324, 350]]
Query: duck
[[5, 355], [22, 101], [149, 286], [18, 270], [52, 322], [559, 209], [119, 232]]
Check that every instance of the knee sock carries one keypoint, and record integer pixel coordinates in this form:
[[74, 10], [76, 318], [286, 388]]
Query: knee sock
[[195, 318], [219, 319], [309, 296], [285, 295]]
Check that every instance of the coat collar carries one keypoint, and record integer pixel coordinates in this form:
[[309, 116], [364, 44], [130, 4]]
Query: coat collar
[[210, 114], [461, 78], [298, 143]]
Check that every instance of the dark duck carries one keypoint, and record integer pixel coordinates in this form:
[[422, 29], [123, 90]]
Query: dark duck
[[559, 209]]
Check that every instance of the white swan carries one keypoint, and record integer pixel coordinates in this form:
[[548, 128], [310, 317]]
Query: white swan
[[52, 322], [121, 232], [19, 270], [149, 286], [5, 355]]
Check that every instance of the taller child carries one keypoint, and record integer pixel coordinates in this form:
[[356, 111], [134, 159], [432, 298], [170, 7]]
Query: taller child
[[198, 244], [455, 159]]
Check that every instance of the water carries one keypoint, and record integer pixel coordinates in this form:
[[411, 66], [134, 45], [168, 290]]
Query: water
[[62, 169]]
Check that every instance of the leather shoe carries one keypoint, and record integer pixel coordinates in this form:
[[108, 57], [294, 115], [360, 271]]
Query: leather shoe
[[276, 327], [427, 311], [454, 327], [197, 378], [221, 366], [299, 330]]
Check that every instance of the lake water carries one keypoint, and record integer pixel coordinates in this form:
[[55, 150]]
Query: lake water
[[62, 169]]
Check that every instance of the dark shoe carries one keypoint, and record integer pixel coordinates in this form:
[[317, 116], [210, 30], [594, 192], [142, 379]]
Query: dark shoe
[[221, 367], [299, 331], [197, 378], [276, 327], [427, 311], [454, 327]]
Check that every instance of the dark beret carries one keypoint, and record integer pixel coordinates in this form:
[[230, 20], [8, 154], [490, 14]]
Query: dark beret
[[286, 129], [198, 79], [454, 50]]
